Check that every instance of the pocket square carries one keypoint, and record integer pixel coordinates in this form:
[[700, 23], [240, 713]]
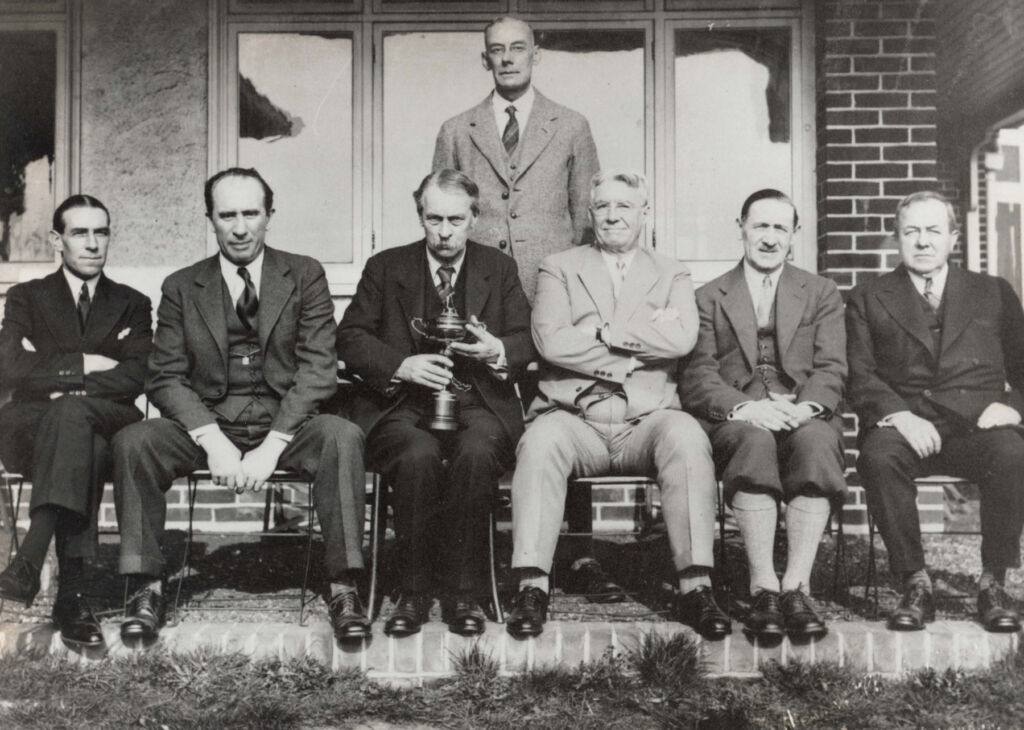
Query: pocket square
[[26, 344], [124, 333]]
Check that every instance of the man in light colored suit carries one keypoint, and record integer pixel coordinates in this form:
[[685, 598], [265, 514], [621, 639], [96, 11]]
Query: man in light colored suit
[[242, 358], [533, 161], [767, 379], [611, 322]]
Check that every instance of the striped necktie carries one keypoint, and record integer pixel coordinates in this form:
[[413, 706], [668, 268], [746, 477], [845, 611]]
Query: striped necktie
[[445, 288], [929, 295], [247, 305], [510, 137]]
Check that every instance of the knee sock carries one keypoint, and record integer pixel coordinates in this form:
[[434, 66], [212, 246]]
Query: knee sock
[[806, 519], [756, 514], [917, 576], [692, 578], [344, 583], [990, 576], [533, 578], [40, 532]]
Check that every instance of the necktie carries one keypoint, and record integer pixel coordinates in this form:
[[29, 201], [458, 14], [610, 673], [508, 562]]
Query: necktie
[[247, 304], [929, 295], [620, 277], [510, 137], [445, 288], [764, 304], [83, 306]]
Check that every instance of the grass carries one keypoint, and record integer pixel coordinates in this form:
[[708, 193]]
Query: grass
[[657, 685]]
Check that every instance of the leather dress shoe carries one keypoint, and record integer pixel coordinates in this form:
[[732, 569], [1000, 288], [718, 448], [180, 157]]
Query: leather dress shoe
[[76, 622], [144, 615], [799, 617], [917, 607], [765, 619], [465, 617], [699, 610], [407, 616], [348, 617], [996, 610], [528, 614], [19, 581], [590, 579]]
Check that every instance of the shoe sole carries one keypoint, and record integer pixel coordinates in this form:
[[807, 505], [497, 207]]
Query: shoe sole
[[17, 599], [354, 636], [78, 644]]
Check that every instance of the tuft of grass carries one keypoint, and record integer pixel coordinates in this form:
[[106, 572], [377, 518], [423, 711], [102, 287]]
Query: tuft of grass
[[671, 662]]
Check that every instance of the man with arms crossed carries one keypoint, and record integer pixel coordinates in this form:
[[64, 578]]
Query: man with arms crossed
[[611, 322], [936, 377], [242, 358], [766, 378], [73, 345]]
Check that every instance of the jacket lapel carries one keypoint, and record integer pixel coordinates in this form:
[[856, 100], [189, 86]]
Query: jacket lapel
[[642, 275], [540, 130], [739, 309], [487, 138], [901, 300], [790, 300], [410, 287], [108, 306], [62, 318], [210, 304], [596, 280], [478, 286], [276, 287], [957, 314]]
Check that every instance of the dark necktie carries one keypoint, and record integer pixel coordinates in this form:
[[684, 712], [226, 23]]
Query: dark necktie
[[445, 288], [929, 295], [247, 304], [510, 137], [83, 306]]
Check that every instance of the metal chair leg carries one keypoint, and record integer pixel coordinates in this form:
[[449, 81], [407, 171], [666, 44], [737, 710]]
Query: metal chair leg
[[872, 574], [193, 489], [499, 615], [378, 517], [310, 512]]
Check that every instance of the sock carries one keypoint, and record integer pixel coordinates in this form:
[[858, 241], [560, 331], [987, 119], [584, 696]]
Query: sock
[[806, 519], [138, 581], [917, 576], [756, 514], [40, 532], [346, 582], [71, 575], [533, 578], [990, 576], [692, 578]]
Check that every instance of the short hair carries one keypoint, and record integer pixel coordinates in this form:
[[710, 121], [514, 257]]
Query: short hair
[[448, 179], [635, 180], [76, 201], [249, 172], [506, 19], [768, 194], [921, 196]]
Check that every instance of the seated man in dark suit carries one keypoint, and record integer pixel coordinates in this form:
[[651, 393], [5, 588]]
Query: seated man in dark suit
[[242, 358], [443, 482], [73, 346], [936, 377], [767, 378]]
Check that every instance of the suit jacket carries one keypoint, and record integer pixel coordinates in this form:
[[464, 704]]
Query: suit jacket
[[892, 364], [575, 301], [188, 368], [810, 337], [44, 313], [539, 206], [375, 334]]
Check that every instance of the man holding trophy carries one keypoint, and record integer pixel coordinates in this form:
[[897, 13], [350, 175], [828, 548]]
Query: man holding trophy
[[436, 334]]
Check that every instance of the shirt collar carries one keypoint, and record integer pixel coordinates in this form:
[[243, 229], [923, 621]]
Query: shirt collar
[[434, 265], [612, 260], [523, 105], [75, 283], [755, 278], [229, 270], [938, 280]]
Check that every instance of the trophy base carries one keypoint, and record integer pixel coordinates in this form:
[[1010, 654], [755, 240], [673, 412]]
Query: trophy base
[[443, 424], [445, 410]]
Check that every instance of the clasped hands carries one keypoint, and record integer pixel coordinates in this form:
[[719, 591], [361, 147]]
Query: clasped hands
[[434, 371], [230, 468], [777, 412], [924, 438]]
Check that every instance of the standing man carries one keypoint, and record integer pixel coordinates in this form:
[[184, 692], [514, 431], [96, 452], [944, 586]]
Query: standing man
[[242, 358], [73, 345], [610, 323], [766, 378], [443, 482], [533, 160], [936, 378]]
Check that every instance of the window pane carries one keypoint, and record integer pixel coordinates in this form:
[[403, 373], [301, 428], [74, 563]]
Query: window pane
[[28, 93], [430, 77], [295, 127], [732, 131]]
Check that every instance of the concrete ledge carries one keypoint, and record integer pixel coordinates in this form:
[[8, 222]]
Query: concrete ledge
[[434, 652]]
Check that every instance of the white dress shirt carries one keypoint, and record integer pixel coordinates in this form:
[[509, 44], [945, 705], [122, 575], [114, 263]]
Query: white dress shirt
[[938, 281], [523, 105], [75, 284]]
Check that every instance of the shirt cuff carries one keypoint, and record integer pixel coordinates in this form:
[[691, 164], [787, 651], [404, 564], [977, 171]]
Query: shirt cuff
[[735, 410], [196, 433], [280, 435], [499, 367], [819, 410]]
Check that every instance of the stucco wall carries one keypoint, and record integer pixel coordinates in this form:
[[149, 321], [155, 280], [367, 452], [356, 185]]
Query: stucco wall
[[144, 125]]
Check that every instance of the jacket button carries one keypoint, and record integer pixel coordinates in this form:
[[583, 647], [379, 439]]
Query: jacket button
[[513, 214], [927, 393], [579, 388], [502, 244], [512, 166], [504, 196]]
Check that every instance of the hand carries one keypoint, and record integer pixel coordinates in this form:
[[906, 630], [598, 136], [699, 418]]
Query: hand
[[802, 412], [669, 314], [486, 347], [223, 458], [919, 432], [998, 414], [259, 464], [767, 414], [433, 371], [92, 363]]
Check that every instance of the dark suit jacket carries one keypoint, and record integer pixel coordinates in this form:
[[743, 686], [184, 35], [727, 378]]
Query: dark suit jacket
[[892, 368], [44, 312], [375, 334], [539, 207], [188, 369], [809, 332]]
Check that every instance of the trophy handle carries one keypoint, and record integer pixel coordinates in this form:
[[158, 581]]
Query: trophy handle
[[412, 323]]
